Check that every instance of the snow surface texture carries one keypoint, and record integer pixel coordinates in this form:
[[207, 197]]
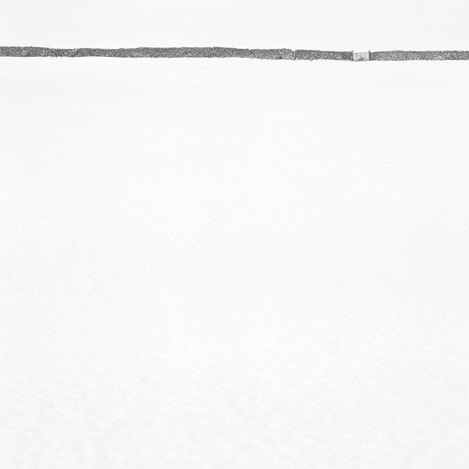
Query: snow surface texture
[[233, 264], [227, 52]]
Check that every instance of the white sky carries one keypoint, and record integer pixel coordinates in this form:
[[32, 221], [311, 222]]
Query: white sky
[[365, 24]]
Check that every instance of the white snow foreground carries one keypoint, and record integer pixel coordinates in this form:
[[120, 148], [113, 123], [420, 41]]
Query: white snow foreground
[[232, 264]]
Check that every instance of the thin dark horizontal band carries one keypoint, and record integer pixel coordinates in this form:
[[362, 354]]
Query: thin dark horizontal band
[[228, 52]]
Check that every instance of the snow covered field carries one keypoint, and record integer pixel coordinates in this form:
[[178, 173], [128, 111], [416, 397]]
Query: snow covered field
[[233, 264]]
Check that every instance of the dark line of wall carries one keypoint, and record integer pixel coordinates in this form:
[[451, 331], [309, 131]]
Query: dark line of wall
[[397, 55], [177, 52], [228, 52], [321, 55]]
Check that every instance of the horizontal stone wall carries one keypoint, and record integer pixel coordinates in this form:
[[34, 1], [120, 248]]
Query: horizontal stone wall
[[228, 52], [178, 52], [397, 55]]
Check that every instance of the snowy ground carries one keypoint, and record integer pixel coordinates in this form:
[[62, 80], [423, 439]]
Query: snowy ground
[[233, 264]]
